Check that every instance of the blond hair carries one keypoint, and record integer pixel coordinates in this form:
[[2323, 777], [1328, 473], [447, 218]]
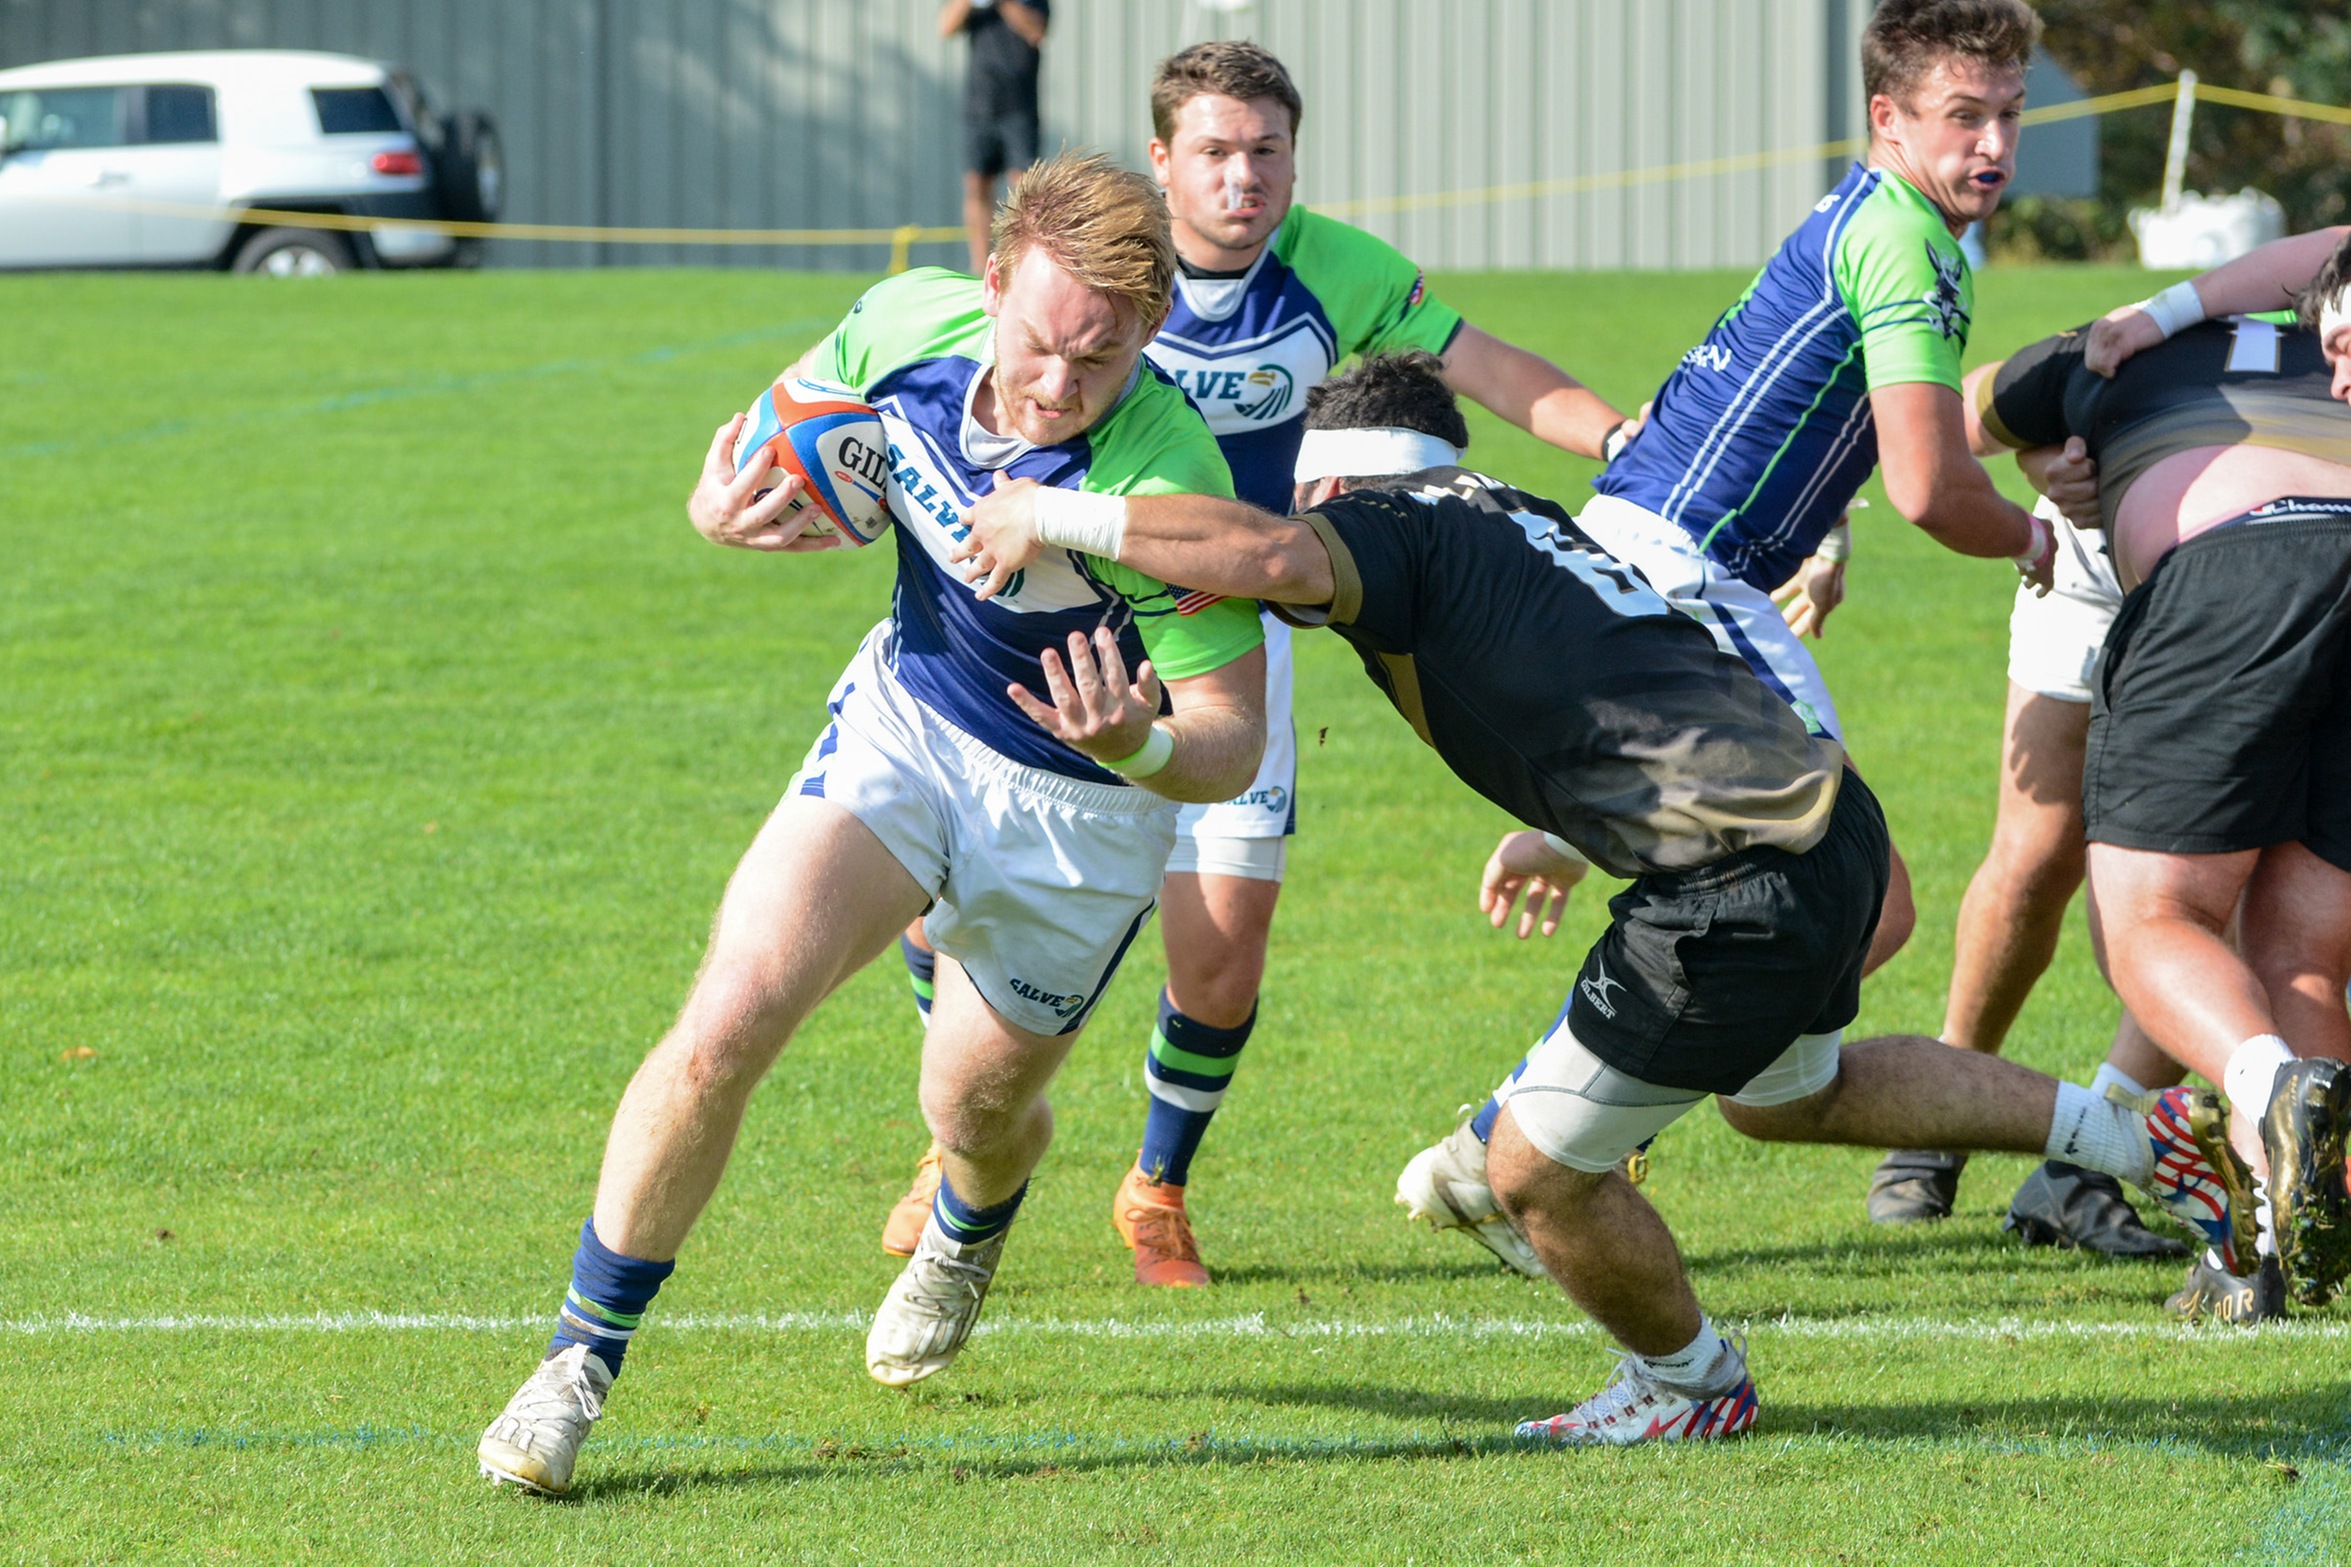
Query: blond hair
[[1103, 225]]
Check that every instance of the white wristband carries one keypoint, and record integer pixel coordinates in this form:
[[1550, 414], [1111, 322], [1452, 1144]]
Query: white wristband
[[2034, 550], [1150, 759], [2176, 309], [1565, 850], [1836, 545], [1076, 520]]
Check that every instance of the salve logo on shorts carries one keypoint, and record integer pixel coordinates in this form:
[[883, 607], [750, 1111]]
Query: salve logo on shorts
[[1274, 798], [1061, 1006]]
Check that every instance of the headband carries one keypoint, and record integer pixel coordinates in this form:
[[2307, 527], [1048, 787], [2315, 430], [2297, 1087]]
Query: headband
[[1371, 454], [2334, 315]]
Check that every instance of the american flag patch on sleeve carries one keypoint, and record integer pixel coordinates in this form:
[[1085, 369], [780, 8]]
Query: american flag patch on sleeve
[[1420, 289], [1193, 603]]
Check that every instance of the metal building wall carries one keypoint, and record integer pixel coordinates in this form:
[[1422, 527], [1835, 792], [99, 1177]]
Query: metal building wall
[[845, 113]]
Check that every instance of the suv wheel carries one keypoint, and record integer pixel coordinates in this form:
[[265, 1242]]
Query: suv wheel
[[295, 253], [469, 170]]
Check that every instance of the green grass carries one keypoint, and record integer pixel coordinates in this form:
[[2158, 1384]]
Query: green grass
[[375, 739]]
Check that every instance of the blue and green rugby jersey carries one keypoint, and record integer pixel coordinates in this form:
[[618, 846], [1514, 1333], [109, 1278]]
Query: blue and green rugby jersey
[[1763, 433], [915, 347]]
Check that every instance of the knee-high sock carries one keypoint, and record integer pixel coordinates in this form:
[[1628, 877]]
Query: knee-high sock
[[1188, 1068], [922, 970], [607, 1299]]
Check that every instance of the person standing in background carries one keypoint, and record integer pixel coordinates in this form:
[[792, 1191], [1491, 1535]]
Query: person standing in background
[[999, 101]]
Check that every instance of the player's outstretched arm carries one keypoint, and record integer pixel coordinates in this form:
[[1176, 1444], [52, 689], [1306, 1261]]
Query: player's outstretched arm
[[1201, 541], [1529, 865], [2264, 278], [1207, 751], [1934, 480], [1529, 391]]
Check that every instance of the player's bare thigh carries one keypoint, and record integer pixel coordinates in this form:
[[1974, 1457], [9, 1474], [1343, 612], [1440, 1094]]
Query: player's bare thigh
[[1215, 929], [983, 1089]]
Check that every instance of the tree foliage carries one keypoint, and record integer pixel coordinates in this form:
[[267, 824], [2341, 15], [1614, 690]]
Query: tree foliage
[[2290, 48]]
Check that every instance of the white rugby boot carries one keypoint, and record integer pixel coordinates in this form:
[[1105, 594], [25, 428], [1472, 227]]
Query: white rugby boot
[[1636, 1407], [1446, 1184], [537, 1440], [931, 1308]]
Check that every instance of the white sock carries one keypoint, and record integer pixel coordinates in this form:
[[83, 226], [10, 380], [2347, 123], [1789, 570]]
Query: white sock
[[2109, 1076], [2267, 1242], [2253, 1072], [1698, 1366], [2094, 1132]]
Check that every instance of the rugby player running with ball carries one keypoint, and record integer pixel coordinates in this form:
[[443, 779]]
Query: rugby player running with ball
[[1270, 298], [1558, 684], [1029, 836]]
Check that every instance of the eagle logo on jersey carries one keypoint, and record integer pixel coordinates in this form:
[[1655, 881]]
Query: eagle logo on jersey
[[1945, 306], [1270, 388]]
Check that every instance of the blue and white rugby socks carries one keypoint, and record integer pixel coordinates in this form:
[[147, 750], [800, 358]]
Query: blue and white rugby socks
[[607, 1299], [1188, 1068], [922, 969], [968, 1226]]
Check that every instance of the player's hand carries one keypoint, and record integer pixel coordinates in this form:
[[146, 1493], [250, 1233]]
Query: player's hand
[[1095, 708], [1808, 598], [2120, 333], [723, 511], [2040, 571], [2071, 481], [1002, 537], [1523, 865]]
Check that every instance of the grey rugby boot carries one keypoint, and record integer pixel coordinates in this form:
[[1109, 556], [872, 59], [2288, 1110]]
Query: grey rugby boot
[[1914, 1185], [1445, 1184], [931, 1308], [2064, 1205], [2214, 1292], [2304, 1131], [537, 1440]]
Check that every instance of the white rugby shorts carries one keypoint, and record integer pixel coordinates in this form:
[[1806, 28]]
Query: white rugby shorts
[[1745, 622], [1244, 836], [1585, 1114], [2053, 642], [1040, 882]]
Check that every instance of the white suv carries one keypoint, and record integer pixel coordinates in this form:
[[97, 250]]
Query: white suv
[[151, 160]]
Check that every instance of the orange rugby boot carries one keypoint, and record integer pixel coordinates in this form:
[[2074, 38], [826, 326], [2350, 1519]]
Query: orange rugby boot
[[1150, 1218], [904, 1226]]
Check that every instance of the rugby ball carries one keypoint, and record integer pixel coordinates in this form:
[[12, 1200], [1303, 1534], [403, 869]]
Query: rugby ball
[[831, 440]]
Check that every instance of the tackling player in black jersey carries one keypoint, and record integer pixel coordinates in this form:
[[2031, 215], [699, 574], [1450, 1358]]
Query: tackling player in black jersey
[[1556, 682]]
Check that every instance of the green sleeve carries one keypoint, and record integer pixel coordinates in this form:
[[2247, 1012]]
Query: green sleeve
[[1378, 301], [1908, 287], [1155, 443], [902, 318]]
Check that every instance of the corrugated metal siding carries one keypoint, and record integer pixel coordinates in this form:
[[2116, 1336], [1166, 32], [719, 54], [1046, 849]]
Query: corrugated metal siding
[[846, 113]]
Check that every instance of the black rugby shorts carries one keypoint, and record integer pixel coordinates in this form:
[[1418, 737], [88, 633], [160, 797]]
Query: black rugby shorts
[[2220, 711]]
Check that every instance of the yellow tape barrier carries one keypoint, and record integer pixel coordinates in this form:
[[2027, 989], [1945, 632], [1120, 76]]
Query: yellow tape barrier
[[901, 238]]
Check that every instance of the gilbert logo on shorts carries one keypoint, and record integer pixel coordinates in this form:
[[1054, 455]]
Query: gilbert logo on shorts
[[1596, 988], [1062, 1006]]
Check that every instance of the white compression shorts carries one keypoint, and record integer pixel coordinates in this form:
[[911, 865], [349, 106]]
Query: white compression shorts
[[1248, 835], [1585, 1114], [2053, 642], [1040, 882], [1745, 622]]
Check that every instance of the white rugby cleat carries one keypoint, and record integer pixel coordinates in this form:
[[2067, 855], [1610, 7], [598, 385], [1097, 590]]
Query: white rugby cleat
[[1636, 1407], [537, 1440], [1445, 1184], [931, 1308]]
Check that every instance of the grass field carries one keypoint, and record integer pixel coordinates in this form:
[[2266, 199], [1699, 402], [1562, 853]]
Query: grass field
[[375, 739]]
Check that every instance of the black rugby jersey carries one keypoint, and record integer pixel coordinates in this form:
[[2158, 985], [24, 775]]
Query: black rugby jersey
[[2243, 381], [1003, 77], [1556, 682]]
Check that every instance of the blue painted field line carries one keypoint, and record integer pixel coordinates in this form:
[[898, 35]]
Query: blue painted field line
[[409, 391]]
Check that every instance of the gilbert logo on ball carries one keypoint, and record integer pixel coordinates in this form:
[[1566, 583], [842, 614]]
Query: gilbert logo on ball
[[830, 439]]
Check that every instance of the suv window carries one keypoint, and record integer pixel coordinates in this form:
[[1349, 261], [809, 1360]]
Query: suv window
[[48, 119], [181, 114], [355, 111]]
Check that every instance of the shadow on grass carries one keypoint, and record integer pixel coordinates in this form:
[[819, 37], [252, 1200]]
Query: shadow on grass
[[2308, 1424]]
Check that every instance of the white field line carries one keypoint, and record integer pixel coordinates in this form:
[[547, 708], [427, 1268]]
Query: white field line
[[1251, 1326]]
